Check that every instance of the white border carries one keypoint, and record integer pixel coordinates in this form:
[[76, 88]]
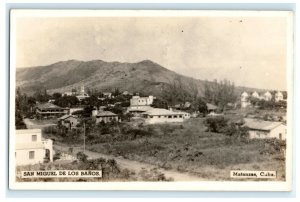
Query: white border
[[184, 186]]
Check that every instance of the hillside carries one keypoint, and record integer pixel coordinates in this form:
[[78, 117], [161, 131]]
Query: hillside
[[145, 76]]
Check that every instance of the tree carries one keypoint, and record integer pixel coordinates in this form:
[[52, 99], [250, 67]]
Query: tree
[[41, 95], [82, 157], [19, 107], [159, 103], [216, 124], [219, 93], [176, 92], [254, 101], [56, 95], [233, 130], [93, 101], [201, 106], [116, 92], [66, 101]]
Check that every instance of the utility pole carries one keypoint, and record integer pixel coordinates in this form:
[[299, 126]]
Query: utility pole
[[84, 137]]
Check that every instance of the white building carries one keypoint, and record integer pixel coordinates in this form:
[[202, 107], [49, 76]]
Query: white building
[[265, 129], [244, 100], [69, 93], [82, 94], [68, 121], [31, 148], [141, 101], [106, 116], [267, 96], [157, 115], [255, 95], [140, 104], [278, 96]]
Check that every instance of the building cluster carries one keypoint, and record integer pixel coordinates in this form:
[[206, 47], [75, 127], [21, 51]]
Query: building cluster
[[267, 96], [32, 149], [81, 95]]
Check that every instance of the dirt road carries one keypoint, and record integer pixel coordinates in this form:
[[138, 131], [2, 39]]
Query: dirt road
[[31, 125], [134, 165]]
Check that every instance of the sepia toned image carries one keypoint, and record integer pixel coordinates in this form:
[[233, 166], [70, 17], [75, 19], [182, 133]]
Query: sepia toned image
[[151, 100]]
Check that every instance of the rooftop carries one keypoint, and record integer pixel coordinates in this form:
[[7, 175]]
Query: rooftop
[[48, 105], [26, 131], [159, 111], [260, 124], [211, 106], [106, 113], [65, 116]]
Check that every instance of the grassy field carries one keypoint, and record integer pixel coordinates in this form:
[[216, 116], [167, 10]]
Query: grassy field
[[187, 147]]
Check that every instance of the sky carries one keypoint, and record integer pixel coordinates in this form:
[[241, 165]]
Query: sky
[[249, 51]]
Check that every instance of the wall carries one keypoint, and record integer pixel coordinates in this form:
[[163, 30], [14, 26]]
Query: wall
[[258, 134], [274, 133], [106, 119], [22, 156], [163, 119], [141, 101], [25, 136], [280, 129], [48, 144]]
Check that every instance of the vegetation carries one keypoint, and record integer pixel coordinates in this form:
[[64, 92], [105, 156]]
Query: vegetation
[[217, 124], [220, 93], [193, 146]]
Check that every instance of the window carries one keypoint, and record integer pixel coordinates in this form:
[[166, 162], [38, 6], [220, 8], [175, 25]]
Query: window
[[175, 116], [151, 117], [31, 155], [158, 116], [34, 138], [169, 117], [180, 116]]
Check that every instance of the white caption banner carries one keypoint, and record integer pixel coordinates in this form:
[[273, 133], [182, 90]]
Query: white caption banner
[[61, 173], [252, 174]]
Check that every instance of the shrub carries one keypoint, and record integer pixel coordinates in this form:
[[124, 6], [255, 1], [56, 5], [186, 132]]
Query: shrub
[[216, 124], [233, 130], [82, 157]]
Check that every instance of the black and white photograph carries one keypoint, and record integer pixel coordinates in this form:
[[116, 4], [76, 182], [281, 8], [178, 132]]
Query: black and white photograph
[[151, 100]]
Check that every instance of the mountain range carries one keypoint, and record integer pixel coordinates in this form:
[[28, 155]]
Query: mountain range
[[145, 76]]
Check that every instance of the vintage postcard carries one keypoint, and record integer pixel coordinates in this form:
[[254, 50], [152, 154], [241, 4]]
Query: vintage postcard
[[151, 100]]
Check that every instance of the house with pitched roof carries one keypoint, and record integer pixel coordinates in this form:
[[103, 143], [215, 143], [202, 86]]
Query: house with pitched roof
[[49, 110], [278, 96], [158, 115], [267, 96], [255, 95], [139, 104], [265, 129], [245, 100], [68, 121], [106, 116]]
